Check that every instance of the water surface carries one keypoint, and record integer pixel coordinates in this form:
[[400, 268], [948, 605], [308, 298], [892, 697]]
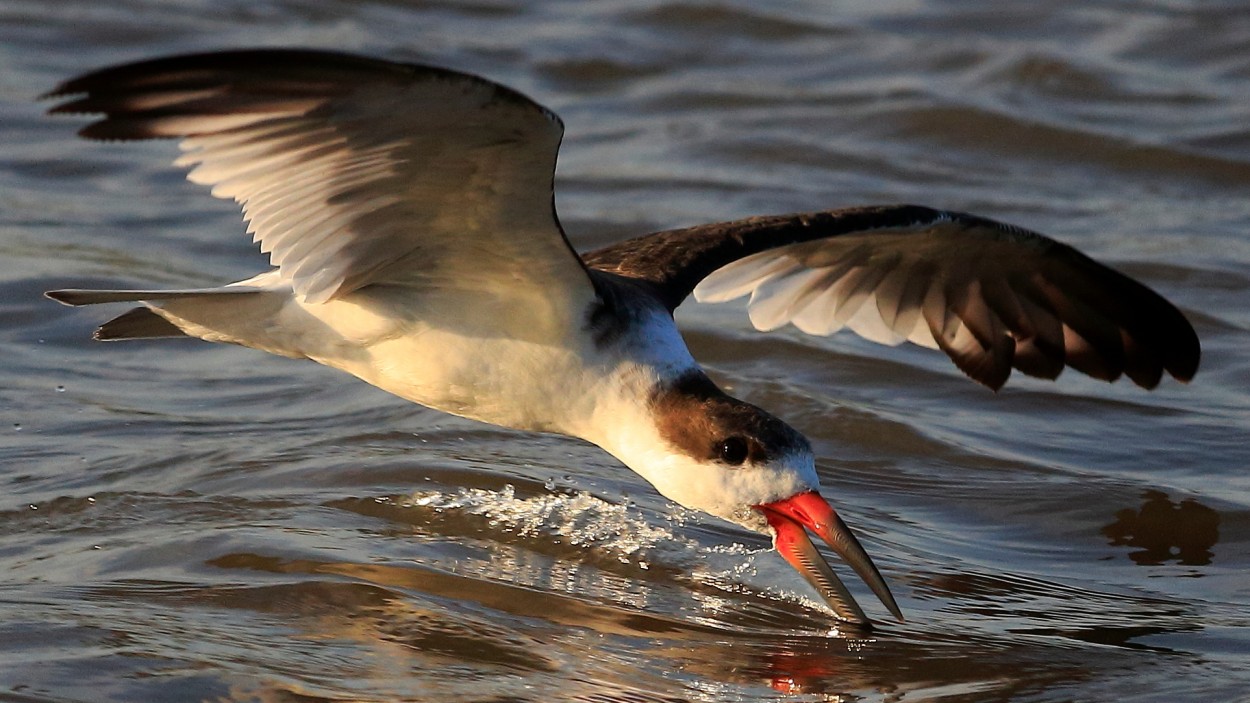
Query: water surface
[[188, 522]]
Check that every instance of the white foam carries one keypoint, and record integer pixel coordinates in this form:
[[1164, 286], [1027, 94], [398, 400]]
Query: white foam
[[581, 519], [620, 530]]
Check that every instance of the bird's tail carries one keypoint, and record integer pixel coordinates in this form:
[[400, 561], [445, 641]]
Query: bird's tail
[[80, 296], [137, 323], [207, 313]]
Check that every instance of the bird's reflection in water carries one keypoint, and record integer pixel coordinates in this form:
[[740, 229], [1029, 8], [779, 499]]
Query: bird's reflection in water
[[512, 631], [1163, 530], [404, 631]]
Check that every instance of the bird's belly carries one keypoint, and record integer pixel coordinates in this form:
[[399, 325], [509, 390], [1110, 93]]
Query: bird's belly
[[490, 358], [497, 360], [508, 382]]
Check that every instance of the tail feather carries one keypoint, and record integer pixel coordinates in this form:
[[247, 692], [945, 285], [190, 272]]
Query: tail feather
[[138, 323], [79, 296], [241, 313]]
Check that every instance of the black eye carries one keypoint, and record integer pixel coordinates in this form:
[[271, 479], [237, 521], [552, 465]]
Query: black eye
[[732, 451]]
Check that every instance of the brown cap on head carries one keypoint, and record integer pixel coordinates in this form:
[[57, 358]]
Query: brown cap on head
[[702, 422], [699, 419]]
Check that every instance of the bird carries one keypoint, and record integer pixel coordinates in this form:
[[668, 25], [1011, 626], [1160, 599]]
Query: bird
[[409, 219]]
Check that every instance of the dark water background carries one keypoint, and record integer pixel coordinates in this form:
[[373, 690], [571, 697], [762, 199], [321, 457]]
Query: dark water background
[[188, 522]]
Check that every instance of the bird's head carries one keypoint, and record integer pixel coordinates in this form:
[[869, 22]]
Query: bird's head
[[706, 450]]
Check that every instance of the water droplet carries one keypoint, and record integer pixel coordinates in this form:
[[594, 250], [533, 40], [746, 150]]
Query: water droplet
[[17, 427], [60, 389], [34, 507], [550, 484]]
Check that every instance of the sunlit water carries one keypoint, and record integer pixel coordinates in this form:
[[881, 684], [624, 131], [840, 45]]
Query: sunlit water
[[186, 522]]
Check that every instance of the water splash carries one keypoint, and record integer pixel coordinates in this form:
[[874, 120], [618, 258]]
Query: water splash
[[578, 519], [716, 576]]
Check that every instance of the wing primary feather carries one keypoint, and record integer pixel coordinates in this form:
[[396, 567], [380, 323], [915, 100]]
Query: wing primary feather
[[1142, 365], [1087, 358], [770, 300], [857, 287], [280, 202], [250, 158], [273, 134], [1092, 343], [813, 310], [167, 126], [740, 278], [133, 102], [1042, 354], [988, 362], [968, 303], [905, 314]]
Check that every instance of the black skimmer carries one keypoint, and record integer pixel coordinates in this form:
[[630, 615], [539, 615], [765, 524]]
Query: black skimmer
[[408, 215]]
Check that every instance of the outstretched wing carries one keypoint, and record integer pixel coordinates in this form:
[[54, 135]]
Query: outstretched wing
[[355, 171], [992, 296]]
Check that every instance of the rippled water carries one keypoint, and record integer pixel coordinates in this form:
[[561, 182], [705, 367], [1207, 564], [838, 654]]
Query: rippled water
[[187, 522]]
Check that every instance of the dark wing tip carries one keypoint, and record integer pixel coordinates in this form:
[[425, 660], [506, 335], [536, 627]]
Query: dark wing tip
[[1157, 337], [263, 62], [1186, 356], [121, 129], [990, 369], [144, 99], [64, 297], [1112, 324]]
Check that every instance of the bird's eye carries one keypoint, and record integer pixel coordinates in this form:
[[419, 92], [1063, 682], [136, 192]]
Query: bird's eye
[[732, 451]]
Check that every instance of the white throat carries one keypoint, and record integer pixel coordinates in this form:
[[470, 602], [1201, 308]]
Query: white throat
[[625, 423]]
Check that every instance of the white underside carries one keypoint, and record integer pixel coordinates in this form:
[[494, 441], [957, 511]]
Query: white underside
[[499, 359]]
